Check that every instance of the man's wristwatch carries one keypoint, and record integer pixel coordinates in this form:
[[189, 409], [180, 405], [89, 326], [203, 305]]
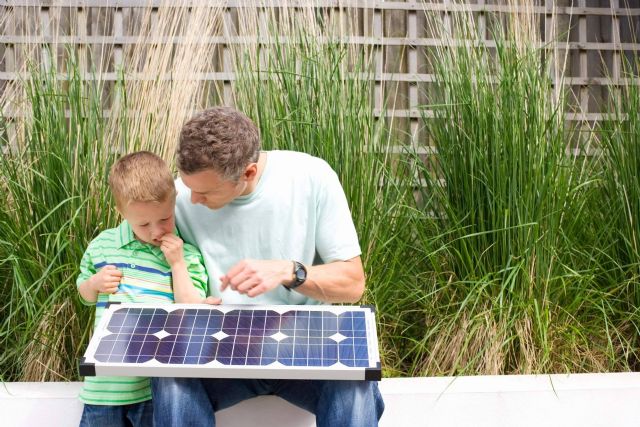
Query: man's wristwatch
[[299, 275]]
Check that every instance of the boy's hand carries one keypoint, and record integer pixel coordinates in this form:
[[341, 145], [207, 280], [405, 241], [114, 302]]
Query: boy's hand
[[171, 247], [212, 301], [107, 280]]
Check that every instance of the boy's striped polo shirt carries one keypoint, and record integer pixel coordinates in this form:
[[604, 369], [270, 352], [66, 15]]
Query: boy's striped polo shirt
[[146, 278]]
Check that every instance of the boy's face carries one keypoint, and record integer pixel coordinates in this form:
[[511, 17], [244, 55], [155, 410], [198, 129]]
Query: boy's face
[[210, 189], [150, 220]]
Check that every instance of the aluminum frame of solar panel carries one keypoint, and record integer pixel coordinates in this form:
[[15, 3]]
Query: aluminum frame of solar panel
[[204, 341]]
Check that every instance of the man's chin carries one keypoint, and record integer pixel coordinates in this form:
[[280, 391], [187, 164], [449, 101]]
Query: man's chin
[[213, 207]]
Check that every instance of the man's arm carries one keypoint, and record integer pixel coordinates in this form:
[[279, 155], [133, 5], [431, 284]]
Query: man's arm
[[338, 281]]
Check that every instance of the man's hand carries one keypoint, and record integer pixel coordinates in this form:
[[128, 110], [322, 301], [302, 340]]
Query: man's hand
[[255, 277], [106, 281], [171, 247]]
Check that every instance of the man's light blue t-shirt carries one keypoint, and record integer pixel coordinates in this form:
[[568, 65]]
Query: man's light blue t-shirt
[[298, 211]]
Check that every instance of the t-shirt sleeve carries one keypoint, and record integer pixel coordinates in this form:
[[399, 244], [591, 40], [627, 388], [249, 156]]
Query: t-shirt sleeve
[[196, 268], [336, 236], [87, 270]]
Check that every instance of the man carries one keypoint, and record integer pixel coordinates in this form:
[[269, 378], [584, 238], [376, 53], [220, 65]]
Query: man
[[273, 228]]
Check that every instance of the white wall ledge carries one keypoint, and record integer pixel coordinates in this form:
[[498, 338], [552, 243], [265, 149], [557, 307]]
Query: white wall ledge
[[583, 400]]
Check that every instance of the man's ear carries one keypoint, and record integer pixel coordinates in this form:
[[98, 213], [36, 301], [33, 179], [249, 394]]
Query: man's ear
[[250, 172]]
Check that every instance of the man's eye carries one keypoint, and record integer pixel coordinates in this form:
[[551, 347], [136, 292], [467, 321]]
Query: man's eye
[[165, 219], [144, 225]]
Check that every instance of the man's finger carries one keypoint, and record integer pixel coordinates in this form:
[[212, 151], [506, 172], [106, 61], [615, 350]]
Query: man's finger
[[240, 279], [224, 282], [247, 285], [237, 268], [255, 291]]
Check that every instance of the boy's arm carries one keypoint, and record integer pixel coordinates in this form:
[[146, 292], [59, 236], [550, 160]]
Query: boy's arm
[[90, 283], [188, 274]]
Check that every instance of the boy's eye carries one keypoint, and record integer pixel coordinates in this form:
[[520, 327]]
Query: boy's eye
[[166, 219], [144, 225]]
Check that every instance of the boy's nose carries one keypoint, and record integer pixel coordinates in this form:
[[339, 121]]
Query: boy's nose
[[158, 232]]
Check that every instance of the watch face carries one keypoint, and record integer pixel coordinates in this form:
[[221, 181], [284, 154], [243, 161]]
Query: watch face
[[301, 274]]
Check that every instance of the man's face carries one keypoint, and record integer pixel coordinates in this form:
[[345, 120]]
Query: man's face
[[210, 189], [150, 220]]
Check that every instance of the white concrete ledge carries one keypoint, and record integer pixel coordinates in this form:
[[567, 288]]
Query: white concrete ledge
[[583, 400]]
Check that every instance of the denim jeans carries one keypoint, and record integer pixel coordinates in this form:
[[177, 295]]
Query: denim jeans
[[134, 415], [193, 401]]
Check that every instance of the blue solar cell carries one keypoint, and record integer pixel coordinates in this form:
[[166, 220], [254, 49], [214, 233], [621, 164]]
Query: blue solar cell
[[201, 320], [225, 351], [315, 351], [329, 324], [194, 349], [230, 322], [271, 323], [214, 323], [258, 325], [345, 324], [240, 348], [149, 349], [244, 321], [133, 351], [359, 325], [288, 323], [345, 351], [314, 362], [300, 350], [174, 319], [254, 348], [208, 351], [158, 322], [315, 324], [269, 351], [117, 320], [302, 324], [329, 353], [165, 349]]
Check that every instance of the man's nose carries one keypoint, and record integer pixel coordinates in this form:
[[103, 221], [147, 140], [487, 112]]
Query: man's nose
[[195, 198]]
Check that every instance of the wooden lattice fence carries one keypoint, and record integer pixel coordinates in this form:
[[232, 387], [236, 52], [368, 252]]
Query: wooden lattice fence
[[597, 34]]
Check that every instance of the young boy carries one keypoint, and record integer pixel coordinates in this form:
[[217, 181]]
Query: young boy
[[141, 261]]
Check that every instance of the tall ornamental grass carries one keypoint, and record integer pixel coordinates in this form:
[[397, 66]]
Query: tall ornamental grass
[[505, 204], [620, 193], [52, 175]]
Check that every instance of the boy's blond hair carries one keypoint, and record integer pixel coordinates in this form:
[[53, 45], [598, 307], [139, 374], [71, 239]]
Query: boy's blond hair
[[141, 177]]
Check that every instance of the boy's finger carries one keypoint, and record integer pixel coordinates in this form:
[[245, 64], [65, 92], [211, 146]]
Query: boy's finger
[[212, 301], [169, 237]]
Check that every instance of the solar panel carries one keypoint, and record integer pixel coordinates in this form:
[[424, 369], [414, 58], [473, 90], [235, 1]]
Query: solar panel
[[235, 341]]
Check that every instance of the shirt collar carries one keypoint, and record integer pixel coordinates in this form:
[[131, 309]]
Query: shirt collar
[[125, 235]]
